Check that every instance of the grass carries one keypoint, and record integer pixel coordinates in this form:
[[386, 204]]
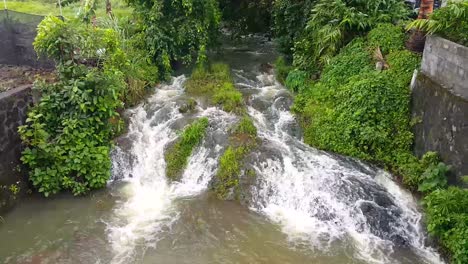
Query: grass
[[177, 156], [215, 82], [229, 171], [43, 8], [242, 140]]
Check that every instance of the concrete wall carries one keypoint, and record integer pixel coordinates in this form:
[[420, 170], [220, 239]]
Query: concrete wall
[[446, 63], [13, 109], [440, 102]]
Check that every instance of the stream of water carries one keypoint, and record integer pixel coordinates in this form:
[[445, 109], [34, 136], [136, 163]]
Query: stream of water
[[303, 206]]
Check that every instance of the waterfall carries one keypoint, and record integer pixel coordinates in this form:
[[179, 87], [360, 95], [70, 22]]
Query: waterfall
[[147, 205]]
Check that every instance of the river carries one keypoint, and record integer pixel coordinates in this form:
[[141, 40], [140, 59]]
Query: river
[[303, 206]]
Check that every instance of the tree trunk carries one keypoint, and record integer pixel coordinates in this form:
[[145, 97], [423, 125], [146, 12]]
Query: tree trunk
[[108, 7], [418, 38]]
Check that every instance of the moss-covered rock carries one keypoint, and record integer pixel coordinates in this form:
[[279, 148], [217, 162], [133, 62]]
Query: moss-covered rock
[[178, 154], [188, 107]]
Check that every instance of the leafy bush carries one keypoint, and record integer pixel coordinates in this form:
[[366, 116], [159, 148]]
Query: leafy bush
[[358, 111], [354, 59], [177, 156], [447, 218], [435, 177], [387, 37], [67, 135], [450, 22], [334, 23]]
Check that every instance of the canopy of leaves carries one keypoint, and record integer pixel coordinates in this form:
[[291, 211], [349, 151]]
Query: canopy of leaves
[[177, 30], [247, 16]]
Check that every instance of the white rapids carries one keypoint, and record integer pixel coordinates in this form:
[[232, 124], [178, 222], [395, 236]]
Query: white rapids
[[147, 198]]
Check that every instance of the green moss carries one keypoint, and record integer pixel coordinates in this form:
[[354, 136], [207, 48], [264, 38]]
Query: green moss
[[242, 140], [215, 82], [245, 126], [177, 156]]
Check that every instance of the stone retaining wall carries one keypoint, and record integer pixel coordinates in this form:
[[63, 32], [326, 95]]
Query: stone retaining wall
[[440, 103], [446, 62], [13, 109]]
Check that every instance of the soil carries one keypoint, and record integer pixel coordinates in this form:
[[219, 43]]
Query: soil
[[15, 76]]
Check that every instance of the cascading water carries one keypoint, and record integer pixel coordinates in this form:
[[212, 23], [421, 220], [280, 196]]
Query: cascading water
[[303, 206], [325, 200], [147, 208]]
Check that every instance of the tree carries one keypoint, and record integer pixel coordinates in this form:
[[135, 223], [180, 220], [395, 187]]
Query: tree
[[418, 38]]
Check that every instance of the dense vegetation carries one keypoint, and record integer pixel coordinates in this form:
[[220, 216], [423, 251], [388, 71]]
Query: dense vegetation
[[246, 16], [177, 155], [67, 134]]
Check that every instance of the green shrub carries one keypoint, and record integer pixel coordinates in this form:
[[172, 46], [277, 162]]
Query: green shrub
[[447, 218], [435, 177], [67, 135], [366, 118], [387, 37], [354, 59], [290, 18], [402, 64], [177, 31], [177, 155]]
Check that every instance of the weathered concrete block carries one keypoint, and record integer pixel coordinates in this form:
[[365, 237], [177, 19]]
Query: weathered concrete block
[[14, 105], [444, 123], [446, 63]]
